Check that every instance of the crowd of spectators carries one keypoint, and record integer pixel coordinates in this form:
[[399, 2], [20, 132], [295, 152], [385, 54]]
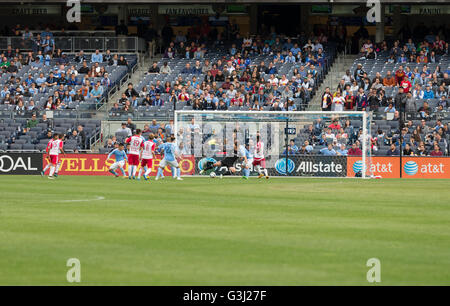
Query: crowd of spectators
[[51, 72], [233, 79], [357, 91]]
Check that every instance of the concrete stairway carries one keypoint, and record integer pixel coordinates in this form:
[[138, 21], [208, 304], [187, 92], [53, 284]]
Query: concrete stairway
[[337, 70]]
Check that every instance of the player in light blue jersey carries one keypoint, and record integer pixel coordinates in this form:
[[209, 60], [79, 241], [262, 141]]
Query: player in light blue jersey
[[120, 157], [247, 159], [170, 152]]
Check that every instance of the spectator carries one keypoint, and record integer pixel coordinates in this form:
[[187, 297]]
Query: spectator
[[328, 151], [125, 129], [354, 150], [154, 68], [392, 151], [97, 57]]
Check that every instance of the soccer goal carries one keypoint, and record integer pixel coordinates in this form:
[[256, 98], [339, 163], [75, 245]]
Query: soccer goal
[[308, 144]]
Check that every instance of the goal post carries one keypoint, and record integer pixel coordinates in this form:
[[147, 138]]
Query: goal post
[[304, 144]]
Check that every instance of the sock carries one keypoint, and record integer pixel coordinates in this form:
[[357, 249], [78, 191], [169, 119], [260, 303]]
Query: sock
[[266, 173], [123, 171], [130, 171], [258, 168], [46, 168], [178, 172], [52, 170], [160, 173], [140, 172], [174, 171], [134, 170], [147, 171], [246, 172], [58, 166]]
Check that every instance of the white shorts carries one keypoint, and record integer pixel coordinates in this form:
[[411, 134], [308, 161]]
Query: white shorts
[[248, 164], [165, 163], [117, 165]]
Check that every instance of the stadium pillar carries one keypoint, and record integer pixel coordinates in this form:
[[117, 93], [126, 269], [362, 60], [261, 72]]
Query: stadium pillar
[[253, 18], [286, 146], [400, 149], [305, 10], [379, 34]]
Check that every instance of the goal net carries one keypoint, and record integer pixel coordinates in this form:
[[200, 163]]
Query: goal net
[[308, 144]]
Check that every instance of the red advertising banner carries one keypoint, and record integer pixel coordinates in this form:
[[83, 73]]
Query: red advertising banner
[[413, 167], [98, 164]]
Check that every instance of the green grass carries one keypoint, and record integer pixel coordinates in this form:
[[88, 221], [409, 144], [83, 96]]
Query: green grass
[[224, 232]]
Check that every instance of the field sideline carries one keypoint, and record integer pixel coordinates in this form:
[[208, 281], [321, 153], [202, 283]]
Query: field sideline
[[204, 231]]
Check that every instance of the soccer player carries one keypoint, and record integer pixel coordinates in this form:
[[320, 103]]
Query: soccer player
[[148, 153], [58, 166], [227, 162], [54, 147], [259, 161], [121, 157], [136, 143], [170, 153], [247, 159]]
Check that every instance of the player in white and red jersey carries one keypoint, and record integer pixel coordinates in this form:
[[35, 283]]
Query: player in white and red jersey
[[54, 147], [136, 143], [259, 162], [58, 165], [148, 153]]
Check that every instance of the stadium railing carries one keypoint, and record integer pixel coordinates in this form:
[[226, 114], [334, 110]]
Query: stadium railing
[[77, 43]]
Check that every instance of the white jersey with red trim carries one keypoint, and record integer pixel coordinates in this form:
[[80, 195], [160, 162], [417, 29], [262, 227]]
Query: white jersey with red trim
[[136, 143], [54, 147], [259, 151], [149, 148]]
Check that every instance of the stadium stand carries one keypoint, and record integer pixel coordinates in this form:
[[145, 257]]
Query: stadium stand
[[406, 89], [201, 77]]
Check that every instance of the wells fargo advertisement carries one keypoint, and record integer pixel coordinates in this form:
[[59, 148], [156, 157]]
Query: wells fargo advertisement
[[98, 164], [412, 167]]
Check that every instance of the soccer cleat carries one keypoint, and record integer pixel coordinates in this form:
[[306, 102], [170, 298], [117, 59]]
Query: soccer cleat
[[221, 176], [245, 178], [124, 177], [51, 178], [202, 171], [179, 179], [267, 177], [42, 173], [56, 175], [146, 177], [138, 179], [260, 176]]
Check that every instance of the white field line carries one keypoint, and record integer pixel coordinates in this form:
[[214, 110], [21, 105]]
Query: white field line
[[84, 200]]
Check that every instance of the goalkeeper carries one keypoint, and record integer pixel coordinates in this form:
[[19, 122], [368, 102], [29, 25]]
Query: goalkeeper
[[227, 162]]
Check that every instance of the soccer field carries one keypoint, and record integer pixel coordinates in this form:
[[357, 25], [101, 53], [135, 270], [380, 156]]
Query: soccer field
[[204, 231]]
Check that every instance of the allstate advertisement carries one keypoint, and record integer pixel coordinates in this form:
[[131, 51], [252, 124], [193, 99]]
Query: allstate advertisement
[[316, 166]]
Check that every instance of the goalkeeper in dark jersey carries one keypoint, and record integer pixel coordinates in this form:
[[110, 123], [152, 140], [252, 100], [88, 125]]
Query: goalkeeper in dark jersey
[[227, 162]]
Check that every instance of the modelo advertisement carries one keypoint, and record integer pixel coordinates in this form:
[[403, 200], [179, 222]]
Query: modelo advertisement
[[315, 166], [20, 163], [413, 167], [98, 164]]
